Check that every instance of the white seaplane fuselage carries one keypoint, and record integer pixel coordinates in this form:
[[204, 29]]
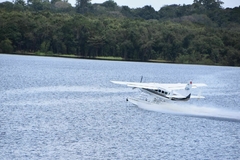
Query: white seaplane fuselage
[[161, 92]]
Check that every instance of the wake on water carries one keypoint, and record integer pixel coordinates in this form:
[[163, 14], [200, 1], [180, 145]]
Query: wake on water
[[191, 110]]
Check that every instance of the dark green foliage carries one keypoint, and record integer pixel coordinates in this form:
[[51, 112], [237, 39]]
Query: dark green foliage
[[208, 4], [82, 6], [20, 2], [7, 6], [202, 33], [6, 46], [171, 11], [147, 12], [126, 11], [110, 5]]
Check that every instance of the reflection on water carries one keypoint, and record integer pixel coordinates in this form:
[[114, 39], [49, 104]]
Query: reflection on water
[[56, 108]]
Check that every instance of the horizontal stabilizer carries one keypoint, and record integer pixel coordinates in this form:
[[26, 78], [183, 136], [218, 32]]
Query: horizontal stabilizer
[[195, 85]]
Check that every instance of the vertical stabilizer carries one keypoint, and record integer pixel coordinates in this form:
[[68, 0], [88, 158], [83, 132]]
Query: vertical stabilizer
[[187, 91], [188, 86]]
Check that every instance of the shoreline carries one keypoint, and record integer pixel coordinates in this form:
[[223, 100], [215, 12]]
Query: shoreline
[[107, 58], [110, 58]]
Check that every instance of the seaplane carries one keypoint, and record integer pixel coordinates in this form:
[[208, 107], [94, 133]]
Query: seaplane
[[161, 93]]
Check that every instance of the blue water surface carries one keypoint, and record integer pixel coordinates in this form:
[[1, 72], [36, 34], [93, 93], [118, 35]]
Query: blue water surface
[[59, 108]]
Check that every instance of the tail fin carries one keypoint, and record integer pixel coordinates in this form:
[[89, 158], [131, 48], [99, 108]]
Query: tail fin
[[188, 86]]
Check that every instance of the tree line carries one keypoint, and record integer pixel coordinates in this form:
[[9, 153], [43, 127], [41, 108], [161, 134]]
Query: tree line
[[203, 32]]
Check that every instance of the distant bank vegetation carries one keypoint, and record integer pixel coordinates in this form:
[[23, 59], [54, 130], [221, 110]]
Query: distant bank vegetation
[[200, 33]]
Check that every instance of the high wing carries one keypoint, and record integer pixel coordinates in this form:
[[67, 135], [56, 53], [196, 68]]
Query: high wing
[[165, 86]]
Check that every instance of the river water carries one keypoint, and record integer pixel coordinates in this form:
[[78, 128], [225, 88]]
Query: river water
[[58, 108]]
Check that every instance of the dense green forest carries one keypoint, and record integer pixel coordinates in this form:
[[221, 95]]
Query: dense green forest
[[202, 33]]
